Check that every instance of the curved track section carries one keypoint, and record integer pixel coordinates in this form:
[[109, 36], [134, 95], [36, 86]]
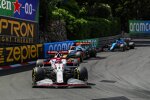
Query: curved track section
[[112, 76]]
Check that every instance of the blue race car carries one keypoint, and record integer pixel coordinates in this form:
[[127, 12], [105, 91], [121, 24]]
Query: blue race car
[[129, 42], [118, 44]]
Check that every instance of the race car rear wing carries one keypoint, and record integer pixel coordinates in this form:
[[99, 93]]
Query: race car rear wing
[[54, 52], [83, 43]]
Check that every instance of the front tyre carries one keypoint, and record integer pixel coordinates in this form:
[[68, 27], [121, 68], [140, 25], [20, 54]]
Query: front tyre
[[123, 47], [81, 73], [37, 74]]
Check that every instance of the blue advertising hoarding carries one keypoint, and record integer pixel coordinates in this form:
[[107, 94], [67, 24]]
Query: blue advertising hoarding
[[57, 46], [139, 26]]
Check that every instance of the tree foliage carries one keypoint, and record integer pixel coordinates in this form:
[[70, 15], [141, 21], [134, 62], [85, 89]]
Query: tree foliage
[[85, 17]]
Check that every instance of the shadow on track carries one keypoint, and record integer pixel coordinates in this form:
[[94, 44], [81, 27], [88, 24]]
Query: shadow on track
[[89, 86], [113, 98], [97, 58]]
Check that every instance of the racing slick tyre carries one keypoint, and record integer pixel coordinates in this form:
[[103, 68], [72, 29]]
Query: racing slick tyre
[[112, 50], [131, 47], [123, 48], [93, 54], [79, 55], [81, 73], [40, 63], [37, 74]]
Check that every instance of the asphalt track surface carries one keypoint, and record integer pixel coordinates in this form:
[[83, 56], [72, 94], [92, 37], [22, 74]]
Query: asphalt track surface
[[112, 76]]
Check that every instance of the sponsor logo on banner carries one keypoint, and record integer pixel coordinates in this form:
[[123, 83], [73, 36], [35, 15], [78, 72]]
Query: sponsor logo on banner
[[20, 54], [137, 26], [17, 31], [19, 21], [60, 46], [93, 41], [24, 9], [5, 5], [57, 46]]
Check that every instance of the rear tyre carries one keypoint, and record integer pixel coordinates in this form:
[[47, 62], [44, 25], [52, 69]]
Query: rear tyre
[[93, 54], [132, 47], [39, 63], [123, 48]]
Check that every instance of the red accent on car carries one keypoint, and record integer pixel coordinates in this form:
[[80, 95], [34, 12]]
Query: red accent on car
[[47, 63], [63, 85], [54, 52]]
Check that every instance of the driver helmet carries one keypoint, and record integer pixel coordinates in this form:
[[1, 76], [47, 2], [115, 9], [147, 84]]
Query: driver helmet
[[58, 55], [72, 47], [119, 39]]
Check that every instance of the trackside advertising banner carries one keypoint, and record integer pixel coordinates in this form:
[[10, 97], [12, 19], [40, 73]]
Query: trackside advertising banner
[[19, 21], [20, 9], [57, 46], [139, 26], [20, 54], [94, 42], [17, 31]]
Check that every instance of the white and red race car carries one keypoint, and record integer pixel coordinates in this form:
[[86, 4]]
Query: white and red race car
[[57, 73]]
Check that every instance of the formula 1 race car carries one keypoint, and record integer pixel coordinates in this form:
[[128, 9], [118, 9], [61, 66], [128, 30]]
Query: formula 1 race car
[[82, 51], [118, 44], [91, 51], [78, 52], [129, 43], [56, 73]]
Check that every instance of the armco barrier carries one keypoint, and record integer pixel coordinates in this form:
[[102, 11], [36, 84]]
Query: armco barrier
[[107, 40], [18, 56], [96, 42]]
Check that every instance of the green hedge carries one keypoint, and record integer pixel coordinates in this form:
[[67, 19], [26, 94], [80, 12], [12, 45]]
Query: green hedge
[[83, 28], [95, 28]]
